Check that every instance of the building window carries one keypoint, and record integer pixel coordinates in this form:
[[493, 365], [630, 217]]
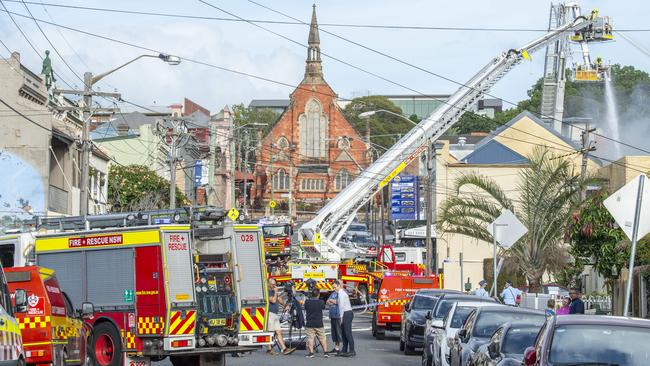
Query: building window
[[313, 131], [283, 143], [342, 180], [312, 185], [281, 180]]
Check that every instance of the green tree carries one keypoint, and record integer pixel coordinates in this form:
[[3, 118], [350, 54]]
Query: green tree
[[245, 115], [472, 122], [137, 188], [549, 192], [385, 129]]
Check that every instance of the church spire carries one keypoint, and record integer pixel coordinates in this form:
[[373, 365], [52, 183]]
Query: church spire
[[313, 69]]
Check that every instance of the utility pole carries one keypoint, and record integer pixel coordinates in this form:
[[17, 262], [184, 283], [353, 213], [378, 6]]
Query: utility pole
[[212, 167], [233, 161], [586, 148], [86, 143], [431, 261], [245, 173], [175, 137], [271, 169]]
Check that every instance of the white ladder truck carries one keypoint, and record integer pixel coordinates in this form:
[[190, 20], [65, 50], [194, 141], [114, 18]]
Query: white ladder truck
[[319, 237]]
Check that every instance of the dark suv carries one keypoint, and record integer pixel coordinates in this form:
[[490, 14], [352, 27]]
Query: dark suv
[[481, 324], [591, 340], [411, 334]]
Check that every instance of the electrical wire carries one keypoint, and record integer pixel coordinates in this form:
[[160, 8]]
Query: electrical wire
[[341, 25]]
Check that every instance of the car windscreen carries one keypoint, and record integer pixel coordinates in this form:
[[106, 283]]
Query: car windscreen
[[460, 315], [357, 228], [600, 344], [518, 339], [489, 321], [275, 231], [443, 308], [424, 302]]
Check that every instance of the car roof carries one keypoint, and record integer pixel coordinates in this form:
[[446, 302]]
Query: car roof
[[509, 309], [436, 291], [455, 296], [602, 320], [472, 304]]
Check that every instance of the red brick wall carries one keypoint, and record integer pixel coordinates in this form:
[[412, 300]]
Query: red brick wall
[[288, 126]]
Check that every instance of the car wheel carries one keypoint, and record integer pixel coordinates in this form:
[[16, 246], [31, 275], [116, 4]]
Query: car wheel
[[107, 345], [401, 345]]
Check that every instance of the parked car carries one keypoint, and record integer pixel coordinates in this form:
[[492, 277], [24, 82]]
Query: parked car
[[441, 332], [357, 228], [507, 345], [411, 334], [591, 340], [481, 325]]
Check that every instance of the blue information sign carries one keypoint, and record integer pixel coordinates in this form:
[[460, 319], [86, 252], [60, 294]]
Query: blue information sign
[[197, 172], [405, 198]]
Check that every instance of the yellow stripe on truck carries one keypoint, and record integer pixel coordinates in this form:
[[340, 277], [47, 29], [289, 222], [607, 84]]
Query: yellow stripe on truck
[[60, 243]]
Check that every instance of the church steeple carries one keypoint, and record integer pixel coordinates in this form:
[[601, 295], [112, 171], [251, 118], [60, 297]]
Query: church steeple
[[313, 69]]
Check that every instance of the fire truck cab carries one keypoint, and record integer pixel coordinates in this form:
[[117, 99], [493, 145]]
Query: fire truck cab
[[276, 232], [392, 294], [52, 332]]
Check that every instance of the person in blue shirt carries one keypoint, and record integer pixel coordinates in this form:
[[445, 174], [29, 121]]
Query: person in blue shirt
[[550, 307], [480, 291], [510, 294], [335, 321], [577, 305]]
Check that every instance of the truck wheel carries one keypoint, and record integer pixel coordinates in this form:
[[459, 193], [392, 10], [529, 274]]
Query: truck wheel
[[401, 345], [381, 334], [107, 345], [184, 360]]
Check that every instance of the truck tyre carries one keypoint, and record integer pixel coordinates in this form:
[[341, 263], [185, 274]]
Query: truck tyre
[[381, 334], [184, 360], [107, 345], [203, 360], [401, 345]]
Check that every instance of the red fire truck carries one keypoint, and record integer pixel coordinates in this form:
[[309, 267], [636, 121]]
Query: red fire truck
[[154, 298], [276, 231]]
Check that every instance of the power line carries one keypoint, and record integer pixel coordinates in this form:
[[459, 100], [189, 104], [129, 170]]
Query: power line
[[187, 59], [461, 84], [340, 25], [24, 116]]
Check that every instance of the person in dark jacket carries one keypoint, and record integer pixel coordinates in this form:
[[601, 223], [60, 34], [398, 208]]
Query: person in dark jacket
[[314, 327], [577, 305]]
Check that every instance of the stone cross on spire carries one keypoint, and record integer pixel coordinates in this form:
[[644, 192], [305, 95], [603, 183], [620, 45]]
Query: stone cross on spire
[[313, 69]]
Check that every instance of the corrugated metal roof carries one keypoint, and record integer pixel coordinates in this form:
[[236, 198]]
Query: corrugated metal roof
[[493, 152]]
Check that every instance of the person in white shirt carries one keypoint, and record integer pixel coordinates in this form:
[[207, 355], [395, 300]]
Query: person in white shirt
[[345, 309], [480, 291], [510, 294]]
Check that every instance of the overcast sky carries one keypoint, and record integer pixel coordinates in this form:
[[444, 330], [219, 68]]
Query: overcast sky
[[243, 47]]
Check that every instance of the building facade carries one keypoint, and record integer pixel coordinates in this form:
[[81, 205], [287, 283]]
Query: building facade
[[312, 152]]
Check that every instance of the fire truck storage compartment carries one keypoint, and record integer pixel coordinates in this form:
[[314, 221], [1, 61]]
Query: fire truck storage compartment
[[110, 271], [249, 265], [179, 268]]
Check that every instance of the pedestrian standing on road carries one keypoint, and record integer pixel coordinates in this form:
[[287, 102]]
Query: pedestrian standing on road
[[480, 291], [577, 305], [314, 328], [345, 309], [274, 318], [335, 322], [564, 309], [510, 294]]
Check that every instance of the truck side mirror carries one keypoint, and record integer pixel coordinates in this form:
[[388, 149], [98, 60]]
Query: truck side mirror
[[87, 310], [21, 300]]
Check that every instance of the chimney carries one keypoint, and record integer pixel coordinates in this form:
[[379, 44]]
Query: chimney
[[16, 56], [462, 140]]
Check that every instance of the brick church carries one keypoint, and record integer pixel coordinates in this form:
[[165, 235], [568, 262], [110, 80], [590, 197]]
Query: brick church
[[312, 151]]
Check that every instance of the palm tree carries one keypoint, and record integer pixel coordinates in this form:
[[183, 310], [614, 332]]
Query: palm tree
[[549, 192]]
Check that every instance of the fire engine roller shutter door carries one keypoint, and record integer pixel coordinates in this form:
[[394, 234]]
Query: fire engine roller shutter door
[[179, 266], [250, 266], [69, 273], [110, 271]]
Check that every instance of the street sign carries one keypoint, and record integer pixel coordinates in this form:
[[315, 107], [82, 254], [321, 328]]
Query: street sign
[[197, 173], [272, 204], [621, 205], [507, 229], [233, 214], [405, 198]]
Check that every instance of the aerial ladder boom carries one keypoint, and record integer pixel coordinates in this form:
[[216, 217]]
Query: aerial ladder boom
[[320, 236]]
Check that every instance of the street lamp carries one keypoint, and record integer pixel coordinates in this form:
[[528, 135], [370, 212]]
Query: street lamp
[[89, 81]]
